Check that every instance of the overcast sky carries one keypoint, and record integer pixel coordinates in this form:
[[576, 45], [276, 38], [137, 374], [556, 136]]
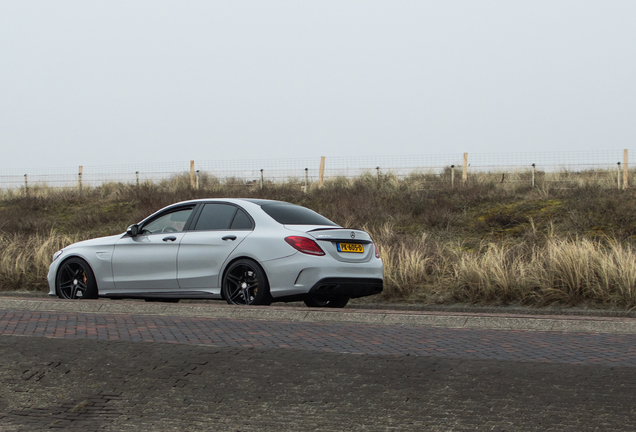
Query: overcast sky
[[108, 82]]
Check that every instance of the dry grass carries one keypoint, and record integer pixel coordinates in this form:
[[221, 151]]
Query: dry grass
[[408, 266], [25, 260], [485, 242], [565, 271]]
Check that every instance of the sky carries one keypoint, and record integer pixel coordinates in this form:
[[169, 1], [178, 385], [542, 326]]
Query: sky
[[111, 82]]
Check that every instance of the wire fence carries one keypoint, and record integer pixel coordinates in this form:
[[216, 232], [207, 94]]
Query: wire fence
[[608, 168]]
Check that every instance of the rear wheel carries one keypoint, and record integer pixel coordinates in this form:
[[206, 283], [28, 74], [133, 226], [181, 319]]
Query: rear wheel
[[75, 280], [335, 302], [245, 283]]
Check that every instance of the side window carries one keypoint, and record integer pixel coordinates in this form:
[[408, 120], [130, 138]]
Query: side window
[[171, 222], [215, 217], [242, 221]]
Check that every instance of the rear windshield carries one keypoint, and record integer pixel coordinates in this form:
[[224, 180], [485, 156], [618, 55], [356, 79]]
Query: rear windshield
[[289, 214]]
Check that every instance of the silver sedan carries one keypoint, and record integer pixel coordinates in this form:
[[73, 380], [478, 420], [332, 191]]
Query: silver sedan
[[246, 251]]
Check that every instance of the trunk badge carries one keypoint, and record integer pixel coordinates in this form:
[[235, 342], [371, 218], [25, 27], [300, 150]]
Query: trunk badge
[[353, 235]]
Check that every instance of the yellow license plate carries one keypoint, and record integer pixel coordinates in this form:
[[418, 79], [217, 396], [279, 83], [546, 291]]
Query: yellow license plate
[[350, 247]]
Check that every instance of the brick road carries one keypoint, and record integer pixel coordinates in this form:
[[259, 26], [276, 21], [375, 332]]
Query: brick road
[[94, 372], [553, 347]]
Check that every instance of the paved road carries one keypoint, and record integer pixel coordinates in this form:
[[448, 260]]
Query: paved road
[[344, 338], [99, 371]]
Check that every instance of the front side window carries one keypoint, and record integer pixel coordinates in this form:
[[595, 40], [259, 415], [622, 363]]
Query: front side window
[[171, 222]]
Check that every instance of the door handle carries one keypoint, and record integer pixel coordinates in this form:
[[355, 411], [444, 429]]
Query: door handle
[[171, 238], [230, 237]]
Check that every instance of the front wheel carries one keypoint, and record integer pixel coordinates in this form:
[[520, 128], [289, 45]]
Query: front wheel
[[334, 302], [245, 283], [75, 280]]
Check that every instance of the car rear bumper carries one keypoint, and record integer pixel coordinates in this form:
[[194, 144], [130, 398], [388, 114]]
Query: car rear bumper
[[297, 275], [348, 287]]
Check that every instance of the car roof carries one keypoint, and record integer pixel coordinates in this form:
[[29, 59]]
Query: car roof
[[259, 202], [262, 202]]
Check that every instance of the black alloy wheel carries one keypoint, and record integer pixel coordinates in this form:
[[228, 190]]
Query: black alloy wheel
[[245, 283], [334, 302], [75, 280]]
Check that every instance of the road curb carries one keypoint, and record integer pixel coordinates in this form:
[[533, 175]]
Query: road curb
[[494, 321]]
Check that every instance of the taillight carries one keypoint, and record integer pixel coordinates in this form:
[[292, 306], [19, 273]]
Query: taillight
[[304, 245], [377, 251]]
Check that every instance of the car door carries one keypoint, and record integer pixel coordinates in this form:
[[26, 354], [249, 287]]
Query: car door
[[148, 261], [218, 230]]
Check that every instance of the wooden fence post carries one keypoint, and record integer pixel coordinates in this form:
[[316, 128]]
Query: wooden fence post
[[26, 185], [465, 170], [534, 170], [452, 176], [79, 178], [262, 179], [321, 174], [192, 180], [625, 170], [306, 187], [197, 176], [137, 175]]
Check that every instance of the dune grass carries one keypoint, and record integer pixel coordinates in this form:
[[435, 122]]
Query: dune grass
[[483, 242], [24, 259]]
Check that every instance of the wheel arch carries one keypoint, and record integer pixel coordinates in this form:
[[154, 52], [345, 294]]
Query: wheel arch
[[59, 266], [238, 258]]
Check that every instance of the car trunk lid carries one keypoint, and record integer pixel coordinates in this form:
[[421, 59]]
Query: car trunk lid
[[343, 244]]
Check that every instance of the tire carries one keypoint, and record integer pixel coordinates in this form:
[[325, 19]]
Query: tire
[[245, 283], [335, 302], [75, 280]]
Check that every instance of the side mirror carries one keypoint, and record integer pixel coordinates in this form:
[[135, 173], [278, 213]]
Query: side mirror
[[133, 230]]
